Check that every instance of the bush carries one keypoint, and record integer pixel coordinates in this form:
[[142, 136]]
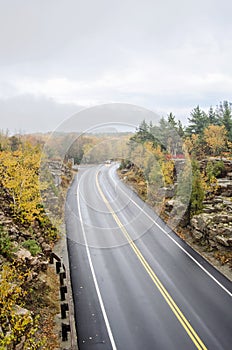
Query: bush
[[6, 245], [215, 169], [32, 246], [197, 194]]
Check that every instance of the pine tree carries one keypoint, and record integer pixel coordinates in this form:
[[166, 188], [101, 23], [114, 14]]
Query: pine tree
[[180, 129], [213, 120], [226, 118], [198, 122], [172, 121]]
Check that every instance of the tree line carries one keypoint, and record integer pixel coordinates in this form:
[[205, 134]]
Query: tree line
[[155, 148]]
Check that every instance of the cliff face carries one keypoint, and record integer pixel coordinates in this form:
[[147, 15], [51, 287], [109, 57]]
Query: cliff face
[[213, 227], [210, 231]]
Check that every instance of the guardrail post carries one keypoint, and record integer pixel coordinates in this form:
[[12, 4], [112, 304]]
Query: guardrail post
[[64, 308], [62, 277], [63, 290], [65, 329], [58, 266]]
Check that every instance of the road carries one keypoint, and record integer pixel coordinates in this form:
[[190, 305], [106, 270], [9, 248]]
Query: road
[[136, 285]]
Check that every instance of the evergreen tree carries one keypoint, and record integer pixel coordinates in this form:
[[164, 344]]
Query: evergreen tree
[[213, 120], [226, 117], [180, 129], [146, 133], [198, 122], [172, 121]]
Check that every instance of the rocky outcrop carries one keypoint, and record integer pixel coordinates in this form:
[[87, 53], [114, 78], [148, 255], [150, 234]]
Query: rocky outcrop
[[213, 227]]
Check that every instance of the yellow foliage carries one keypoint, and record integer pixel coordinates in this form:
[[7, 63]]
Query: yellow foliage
[[216, 137], [168, 172], [14, 324], [19, 174], [191, 143]]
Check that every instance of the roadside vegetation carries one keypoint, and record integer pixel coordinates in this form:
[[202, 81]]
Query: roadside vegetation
[[185, 172], [28, 286]]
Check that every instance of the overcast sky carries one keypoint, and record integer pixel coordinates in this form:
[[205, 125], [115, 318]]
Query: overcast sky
[[58, 55]]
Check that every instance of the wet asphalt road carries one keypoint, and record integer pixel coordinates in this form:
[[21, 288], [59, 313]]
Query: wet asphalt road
[[136, 285]]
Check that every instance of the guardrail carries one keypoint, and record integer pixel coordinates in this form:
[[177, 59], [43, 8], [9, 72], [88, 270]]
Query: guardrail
[[68, 334]]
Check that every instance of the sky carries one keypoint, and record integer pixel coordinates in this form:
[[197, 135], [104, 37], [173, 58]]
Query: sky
[[60, 56]]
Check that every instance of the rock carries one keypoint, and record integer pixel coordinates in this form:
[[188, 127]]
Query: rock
[[43, 265], [222, 218], [222, 240], [219, 206], [217, 200], [197, 235], [41, 240], [209, 209], [34, 261], [22, 254], [170, 191], [20, 311], [212, 243], [200, 222], [224, 187], [46, 247], [21, 344]]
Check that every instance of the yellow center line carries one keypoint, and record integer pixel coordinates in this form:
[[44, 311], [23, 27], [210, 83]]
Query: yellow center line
[[178, 313]]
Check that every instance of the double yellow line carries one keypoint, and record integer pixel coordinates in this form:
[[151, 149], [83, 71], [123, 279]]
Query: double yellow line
[[179, 315]]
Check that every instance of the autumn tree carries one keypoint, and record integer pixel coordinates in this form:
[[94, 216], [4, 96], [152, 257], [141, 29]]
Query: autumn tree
[[19, 175], [216, 139]]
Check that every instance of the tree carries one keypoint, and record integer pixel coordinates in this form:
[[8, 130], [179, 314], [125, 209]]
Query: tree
[[198, 122], [15, 143], [180, 129], [216, 139], [144, 133], [198, 193], [213, 120], [19, 175], [225, 117], [172, 120]]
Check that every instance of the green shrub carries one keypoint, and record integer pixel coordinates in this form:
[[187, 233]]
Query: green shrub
[[6, 245], [215, 169], [32, 246], [197, 194]]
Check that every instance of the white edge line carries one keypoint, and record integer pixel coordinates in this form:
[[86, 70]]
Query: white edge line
[[94, 276], [189, 255]]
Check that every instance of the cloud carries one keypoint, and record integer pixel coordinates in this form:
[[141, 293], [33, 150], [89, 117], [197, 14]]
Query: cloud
[[164, 55], [27, 113]]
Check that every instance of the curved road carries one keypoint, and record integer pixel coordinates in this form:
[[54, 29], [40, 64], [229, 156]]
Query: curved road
[[136, 285]]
